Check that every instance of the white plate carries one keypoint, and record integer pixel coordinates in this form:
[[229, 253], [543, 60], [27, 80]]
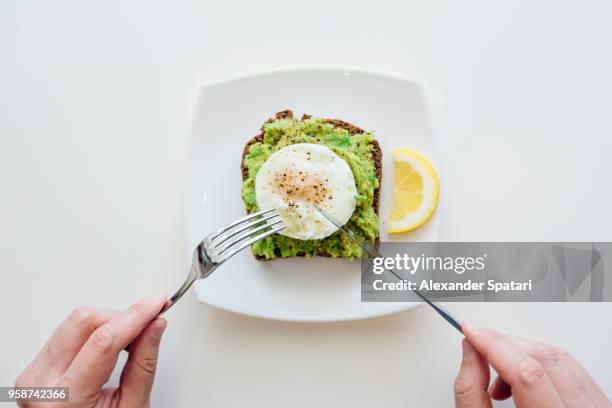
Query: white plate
[[227, 115]]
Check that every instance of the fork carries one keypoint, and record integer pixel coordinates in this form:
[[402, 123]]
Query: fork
[[224, 243]]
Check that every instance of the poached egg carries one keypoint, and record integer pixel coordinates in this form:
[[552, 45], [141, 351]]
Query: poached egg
[[296, 178]]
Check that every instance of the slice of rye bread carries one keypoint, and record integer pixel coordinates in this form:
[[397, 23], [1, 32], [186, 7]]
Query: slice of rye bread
[[352, 129]]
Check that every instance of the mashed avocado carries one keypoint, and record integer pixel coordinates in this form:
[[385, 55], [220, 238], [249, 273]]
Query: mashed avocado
[[356, 150]]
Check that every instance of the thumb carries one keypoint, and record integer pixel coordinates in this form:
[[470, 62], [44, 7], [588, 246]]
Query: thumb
[[139, 371], [473, 380]]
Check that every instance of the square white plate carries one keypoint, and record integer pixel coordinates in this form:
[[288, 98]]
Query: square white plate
[[231, 112]]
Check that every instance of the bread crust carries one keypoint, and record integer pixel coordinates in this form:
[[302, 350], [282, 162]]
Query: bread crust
[[352, 129]]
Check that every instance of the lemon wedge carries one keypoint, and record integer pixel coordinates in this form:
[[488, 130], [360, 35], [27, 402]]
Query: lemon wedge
[[415, 191]]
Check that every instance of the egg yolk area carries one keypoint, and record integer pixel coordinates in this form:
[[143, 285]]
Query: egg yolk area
[[300, 186]]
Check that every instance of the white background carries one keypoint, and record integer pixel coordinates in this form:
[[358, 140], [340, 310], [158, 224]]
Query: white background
[[96, 100]]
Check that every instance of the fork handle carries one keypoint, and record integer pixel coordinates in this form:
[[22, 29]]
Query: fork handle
[[191, 278], [180, 292]]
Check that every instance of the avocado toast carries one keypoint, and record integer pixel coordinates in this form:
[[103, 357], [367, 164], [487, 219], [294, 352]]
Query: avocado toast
[[356, 146]]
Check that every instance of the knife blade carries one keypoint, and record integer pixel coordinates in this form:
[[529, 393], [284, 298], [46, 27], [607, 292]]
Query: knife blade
[[373, 252]]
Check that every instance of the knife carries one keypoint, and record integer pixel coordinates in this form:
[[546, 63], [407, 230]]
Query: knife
[[373, 252]]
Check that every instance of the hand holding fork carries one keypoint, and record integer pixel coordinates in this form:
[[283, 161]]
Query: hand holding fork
[[224, 243]]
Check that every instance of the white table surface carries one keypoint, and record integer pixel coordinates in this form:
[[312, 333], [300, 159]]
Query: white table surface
[[95, 108]]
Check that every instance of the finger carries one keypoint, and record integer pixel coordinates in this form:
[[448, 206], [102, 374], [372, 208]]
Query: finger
[[94, 363], [139, 371], [500, 390], [472, 381], [530, 384], [599, 397], [571, 384], [67, 340]]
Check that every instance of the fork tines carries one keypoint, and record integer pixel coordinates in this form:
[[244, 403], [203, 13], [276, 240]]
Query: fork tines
[[231, 239]]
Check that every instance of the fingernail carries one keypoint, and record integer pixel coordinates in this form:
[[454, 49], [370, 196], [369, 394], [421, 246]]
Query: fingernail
[[159, 326], [467, 349], [158, 296], [472, 325]]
